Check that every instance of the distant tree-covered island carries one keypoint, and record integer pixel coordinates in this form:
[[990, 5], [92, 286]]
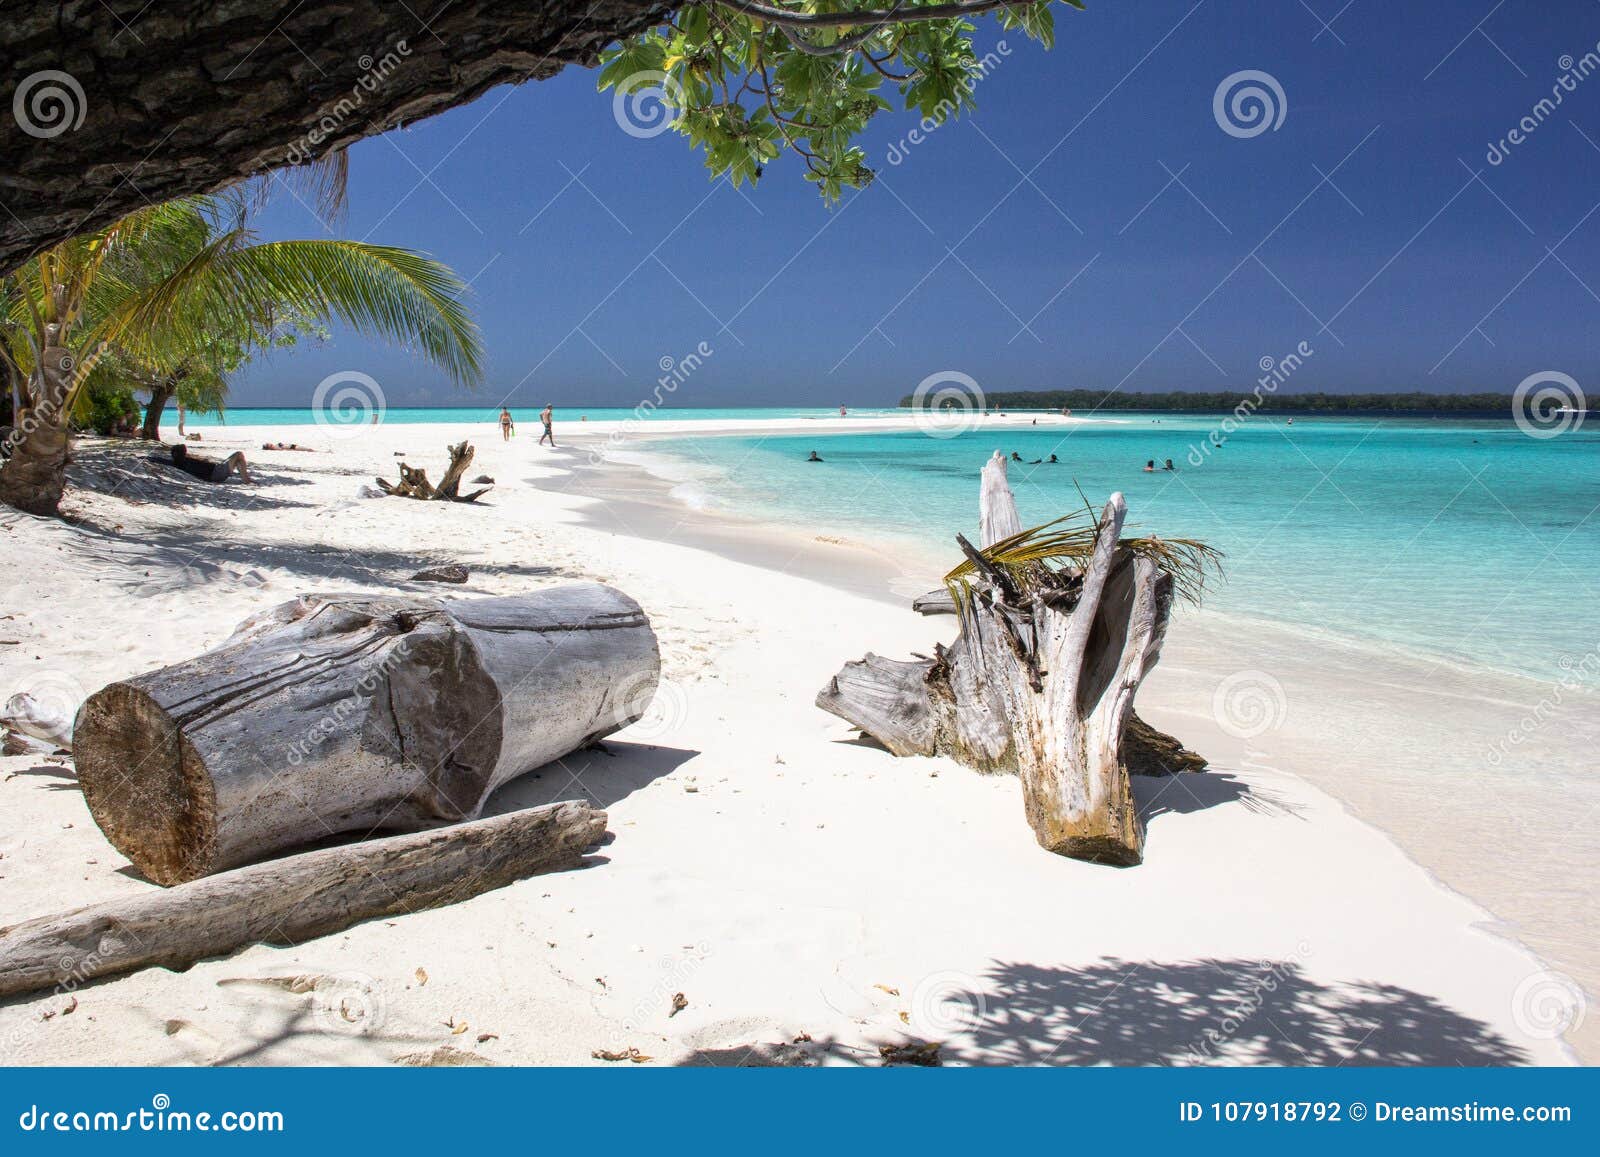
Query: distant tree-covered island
[[1216, 402]]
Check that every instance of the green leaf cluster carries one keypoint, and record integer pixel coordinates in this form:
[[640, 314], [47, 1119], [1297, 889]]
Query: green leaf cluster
[[744, 89]]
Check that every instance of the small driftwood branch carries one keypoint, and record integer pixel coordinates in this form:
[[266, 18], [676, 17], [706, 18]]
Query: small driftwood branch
[[1040, 684], [414, 481], [294, 899]]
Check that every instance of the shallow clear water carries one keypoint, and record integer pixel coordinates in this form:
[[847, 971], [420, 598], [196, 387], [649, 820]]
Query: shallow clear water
[[1462, 540]]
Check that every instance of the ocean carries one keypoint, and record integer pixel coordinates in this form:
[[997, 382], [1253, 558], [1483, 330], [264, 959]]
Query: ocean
[[1465, 540]]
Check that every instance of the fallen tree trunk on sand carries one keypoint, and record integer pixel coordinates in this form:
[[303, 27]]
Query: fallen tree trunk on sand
[[334, 714], [414, 482], [1041, 681], [294, 899]]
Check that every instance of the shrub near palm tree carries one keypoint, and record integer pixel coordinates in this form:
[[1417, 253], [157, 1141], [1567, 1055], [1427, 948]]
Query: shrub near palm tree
[[168, 283]]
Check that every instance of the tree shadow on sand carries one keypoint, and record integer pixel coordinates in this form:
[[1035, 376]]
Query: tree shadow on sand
[[1209, 1012]]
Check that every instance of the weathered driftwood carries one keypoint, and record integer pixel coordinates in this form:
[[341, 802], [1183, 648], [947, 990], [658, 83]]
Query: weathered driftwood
[[1146, 751], [294, 899], [414, 482], [335, 714], [1038, 687], [43, 721]]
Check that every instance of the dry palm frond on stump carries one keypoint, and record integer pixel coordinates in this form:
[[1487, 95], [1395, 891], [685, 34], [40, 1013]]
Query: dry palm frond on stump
[[1059, 624]]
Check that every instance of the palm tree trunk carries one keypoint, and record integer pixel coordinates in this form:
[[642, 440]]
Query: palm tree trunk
[[159, 395], [34, 477]]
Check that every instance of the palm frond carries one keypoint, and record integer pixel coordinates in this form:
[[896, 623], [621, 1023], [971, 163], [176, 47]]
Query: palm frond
[[1050, 556], [379, 291]]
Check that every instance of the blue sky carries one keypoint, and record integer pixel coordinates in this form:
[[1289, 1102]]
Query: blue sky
[[1090, 226]]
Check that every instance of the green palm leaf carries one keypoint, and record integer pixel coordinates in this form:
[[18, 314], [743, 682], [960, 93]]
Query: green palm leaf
[[1047, 557]]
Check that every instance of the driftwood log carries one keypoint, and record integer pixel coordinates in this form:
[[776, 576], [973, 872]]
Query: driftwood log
[[414, 482], [334, 714], [1037, 687], [294, 899]]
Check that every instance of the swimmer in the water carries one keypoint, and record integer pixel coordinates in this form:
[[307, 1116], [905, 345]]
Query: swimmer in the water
[[1169, 465], [1015, 457], [814, 457], [1150, 466]]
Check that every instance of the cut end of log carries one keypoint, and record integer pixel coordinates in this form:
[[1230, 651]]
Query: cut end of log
[[144, 784]]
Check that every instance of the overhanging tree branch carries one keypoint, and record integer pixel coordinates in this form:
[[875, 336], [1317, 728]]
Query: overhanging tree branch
[[783, 17]]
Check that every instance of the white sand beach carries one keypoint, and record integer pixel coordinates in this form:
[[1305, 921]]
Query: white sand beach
[[810, 896]]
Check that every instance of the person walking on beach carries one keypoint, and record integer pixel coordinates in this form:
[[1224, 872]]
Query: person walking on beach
[[548, 417], [507, 426]]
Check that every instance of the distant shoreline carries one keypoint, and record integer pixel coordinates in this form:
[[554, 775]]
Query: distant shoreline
[[1407, 404]]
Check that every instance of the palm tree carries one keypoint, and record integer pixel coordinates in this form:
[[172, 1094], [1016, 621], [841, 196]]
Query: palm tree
[[169, 287]]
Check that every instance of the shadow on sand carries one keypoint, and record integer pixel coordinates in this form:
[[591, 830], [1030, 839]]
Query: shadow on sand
[[1202, 1012]]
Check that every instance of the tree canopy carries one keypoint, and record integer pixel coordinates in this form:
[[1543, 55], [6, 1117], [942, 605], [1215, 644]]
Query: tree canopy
[[746, 81]]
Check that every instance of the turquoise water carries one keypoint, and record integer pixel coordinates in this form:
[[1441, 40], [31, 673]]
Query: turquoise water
[[1462, 540], [530, 415]]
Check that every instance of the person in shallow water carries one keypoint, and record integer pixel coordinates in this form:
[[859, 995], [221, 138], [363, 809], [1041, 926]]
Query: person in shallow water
[[206, 469], [1169, 465], [815, 457], [1150, 466], [1015, 457]]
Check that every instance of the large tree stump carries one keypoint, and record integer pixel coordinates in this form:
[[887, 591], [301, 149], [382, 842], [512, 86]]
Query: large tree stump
[[334, 714], [1039, 684], [294, 899], [414, 480]]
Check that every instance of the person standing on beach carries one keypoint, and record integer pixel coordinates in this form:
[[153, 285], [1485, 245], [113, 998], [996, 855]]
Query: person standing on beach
[[548, 417], [507, 426]]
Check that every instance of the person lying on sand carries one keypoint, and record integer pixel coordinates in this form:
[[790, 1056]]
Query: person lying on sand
[[284, 446], [814, 457], [207, 469]]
